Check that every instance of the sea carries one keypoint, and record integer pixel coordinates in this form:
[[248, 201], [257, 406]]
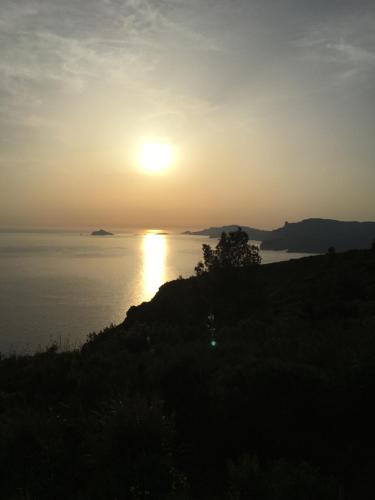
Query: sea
[[56, 287]]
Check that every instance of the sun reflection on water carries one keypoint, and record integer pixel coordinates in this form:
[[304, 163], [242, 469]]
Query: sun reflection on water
[[154, 248]]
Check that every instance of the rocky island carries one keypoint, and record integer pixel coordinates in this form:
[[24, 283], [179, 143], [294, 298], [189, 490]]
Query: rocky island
[[101, 232]]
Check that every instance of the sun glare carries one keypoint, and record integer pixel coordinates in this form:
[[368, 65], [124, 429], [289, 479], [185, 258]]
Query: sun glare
[[155, 156], [154, 257]]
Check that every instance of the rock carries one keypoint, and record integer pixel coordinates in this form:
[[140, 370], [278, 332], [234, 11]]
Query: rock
[[101, 232]]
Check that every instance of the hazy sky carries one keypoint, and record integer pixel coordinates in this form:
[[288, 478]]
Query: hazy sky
[[269, 105]]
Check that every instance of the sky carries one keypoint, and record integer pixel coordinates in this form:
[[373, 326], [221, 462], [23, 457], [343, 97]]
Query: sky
[[268, 105]]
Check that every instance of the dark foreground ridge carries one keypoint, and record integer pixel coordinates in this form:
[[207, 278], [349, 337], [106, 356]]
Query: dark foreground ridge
[[254, 384]]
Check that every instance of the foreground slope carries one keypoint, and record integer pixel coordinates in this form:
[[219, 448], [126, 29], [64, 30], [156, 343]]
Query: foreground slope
[[281, 408]]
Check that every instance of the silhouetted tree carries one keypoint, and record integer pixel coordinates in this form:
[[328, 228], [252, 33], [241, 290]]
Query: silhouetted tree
[[232, 252], [373, 245]]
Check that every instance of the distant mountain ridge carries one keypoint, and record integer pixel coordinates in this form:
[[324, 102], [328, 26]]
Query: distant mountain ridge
[[317, 235], [215, 232], [309, 235]]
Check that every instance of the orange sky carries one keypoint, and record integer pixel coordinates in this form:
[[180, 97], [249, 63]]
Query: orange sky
[[269, 108]]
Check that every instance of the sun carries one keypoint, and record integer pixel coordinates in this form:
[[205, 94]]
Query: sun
[[155, 157]]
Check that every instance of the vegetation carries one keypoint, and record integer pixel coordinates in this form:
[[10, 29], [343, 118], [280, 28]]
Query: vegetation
[[279, 408], [232, 252]]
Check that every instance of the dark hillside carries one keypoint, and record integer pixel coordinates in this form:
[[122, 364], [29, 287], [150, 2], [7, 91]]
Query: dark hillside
[[317, 235], [280, 408]]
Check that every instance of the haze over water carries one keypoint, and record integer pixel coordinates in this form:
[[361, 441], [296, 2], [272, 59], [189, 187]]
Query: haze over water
[[60, 286]]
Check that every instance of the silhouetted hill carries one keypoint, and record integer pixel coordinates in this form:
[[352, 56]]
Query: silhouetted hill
[[215, 232], [280, 408], [317, 235]]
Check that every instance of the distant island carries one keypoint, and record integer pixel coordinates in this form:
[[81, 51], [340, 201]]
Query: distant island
[[101, 232], [215, 232], [306, 236]]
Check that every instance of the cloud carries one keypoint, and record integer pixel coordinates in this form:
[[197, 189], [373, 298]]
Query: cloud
[[352, 53], [343, 46], [56, 59], [68, 47]]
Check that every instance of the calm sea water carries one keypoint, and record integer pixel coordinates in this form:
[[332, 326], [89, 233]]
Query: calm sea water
[[58, 287]]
